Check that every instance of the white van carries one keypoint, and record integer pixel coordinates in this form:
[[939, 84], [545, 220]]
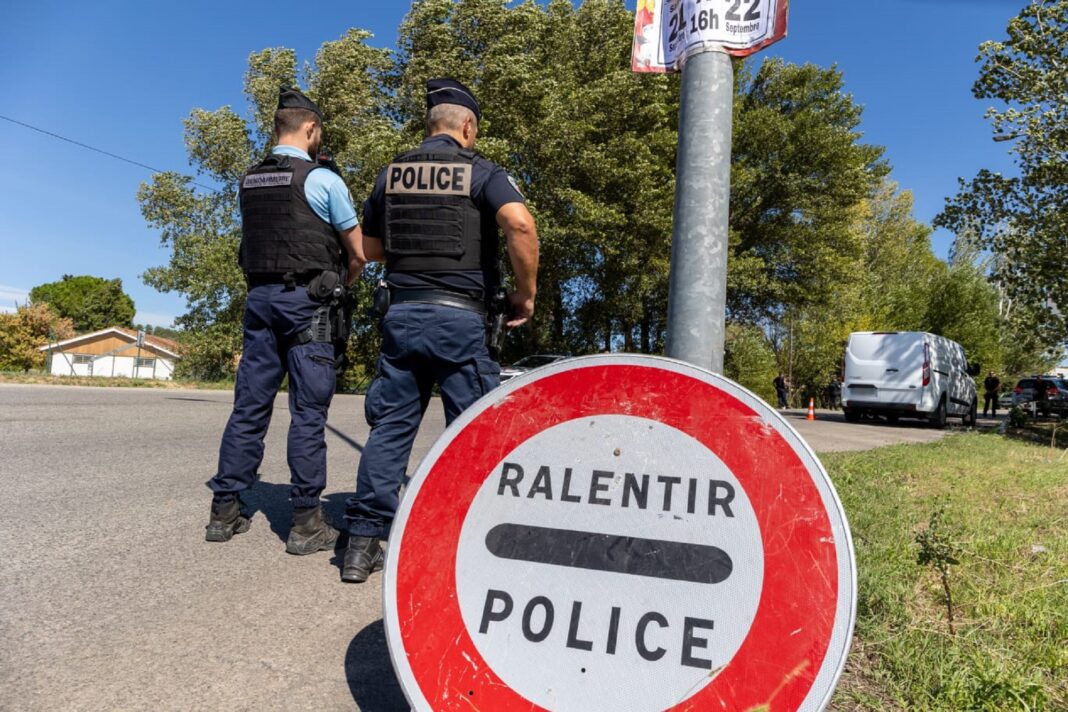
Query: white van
[[909, 374]]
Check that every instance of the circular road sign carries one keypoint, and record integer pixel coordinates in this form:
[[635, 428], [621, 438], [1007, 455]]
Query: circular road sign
[[620, 533]]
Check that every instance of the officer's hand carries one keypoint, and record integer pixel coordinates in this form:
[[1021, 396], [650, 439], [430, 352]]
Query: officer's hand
[[522, 309], [356, 266]]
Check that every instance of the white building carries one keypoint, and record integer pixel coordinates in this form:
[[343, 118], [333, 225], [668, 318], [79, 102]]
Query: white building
[[113, 352]]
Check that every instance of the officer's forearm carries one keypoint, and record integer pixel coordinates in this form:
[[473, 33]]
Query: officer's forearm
[[352, 241], [522, 238], [523, 254]]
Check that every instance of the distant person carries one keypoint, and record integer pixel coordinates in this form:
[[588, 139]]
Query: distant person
[[1039, 396], [782, 390], [298, 237], [834, 393], [990, 395]]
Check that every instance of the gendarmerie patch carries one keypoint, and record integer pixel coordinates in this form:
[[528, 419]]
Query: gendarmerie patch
[[428, 179], [267, 180]]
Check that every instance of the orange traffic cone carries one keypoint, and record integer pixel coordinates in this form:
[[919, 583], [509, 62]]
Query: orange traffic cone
[[811, 409]]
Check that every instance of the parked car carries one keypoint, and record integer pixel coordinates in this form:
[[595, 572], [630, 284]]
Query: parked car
[[910, 374], [528, 363], [1006, 399], [1056, 400]]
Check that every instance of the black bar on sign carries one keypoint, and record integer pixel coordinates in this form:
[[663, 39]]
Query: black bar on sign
[[674, 560]]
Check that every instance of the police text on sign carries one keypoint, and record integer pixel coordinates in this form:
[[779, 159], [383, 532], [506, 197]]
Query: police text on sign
[[609, 546]]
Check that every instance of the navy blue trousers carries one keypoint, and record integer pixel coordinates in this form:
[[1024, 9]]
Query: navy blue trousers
[[422, 344], [273, 315]]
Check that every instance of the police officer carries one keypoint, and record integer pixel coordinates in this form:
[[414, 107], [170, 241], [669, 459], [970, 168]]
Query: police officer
[[782, 390], [834, 392], [991, 386], [433, 218], [298, 238]]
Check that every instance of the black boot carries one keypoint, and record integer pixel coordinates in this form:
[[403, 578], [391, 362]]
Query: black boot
[[362, 557], [226, 520], [311, 532]]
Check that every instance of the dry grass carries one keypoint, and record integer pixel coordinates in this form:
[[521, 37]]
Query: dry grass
[[117, 382]]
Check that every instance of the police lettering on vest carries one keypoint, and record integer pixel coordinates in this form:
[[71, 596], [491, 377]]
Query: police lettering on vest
[[431, 220], [429, 179]]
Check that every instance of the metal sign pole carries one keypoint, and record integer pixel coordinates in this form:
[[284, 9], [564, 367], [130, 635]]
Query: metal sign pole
[[697, 298], [137, 361]]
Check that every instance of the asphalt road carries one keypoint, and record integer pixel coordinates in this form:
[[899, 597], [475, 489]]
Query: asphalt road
[[111, 599]]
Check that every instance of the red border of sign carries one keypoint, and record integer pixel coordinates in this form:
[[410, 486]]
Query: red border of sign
[[800, 554]]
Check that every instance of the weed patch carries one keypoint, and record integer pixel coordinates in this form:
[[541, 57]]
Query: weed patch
[[975, 527]]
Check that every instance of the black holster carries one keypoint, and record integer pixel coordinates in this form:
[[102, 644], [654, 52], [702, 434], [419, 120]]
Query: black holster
[[332, 321], [380, 301], [496, 316]]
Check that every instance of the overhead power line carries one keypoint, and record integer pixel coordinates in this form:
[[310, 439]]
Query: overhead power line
[[100, 150]]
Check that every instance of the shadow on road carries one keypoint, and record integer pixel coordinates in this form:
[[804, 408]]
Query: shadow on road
[[355, 444], [272, 500], [903, 423], [369, 673]]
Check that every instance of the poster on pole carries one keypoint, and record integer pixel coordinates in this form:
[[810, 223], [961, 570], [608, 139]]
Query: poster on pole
[[667, 31]]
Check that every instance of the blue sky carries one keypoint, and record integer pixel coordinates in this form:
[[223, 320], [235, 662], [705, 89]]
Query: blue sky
[[121, 75]]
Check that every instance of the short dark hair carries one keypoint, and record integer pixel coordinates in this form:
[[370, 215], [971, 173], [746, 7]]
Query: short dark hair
[[287, 121]]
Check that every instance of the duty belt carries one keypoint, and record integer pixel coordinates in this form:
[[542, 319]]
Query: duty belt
[[441, 297], [259, 279]]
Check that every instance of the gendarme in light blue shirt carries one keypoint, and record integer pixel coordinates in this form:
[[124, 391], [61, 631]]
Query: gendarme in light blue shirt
[[327, 194]]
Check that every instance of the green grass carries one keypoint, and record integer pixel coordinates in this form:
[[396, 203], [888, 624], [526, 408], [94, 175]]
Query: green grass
[[1050, 432], [1005, 518]]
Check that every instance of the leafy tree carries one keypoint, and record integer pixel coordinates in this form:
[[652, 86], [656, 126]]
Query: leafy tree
[[164, 331], [25, 330], [962, 305], [203, 229], [1023, 219], [592, 147], [966, 306], [209, 354], [799, 173], [749, 360], [92, 303], [899, 266], [804, 199], [590, 143], [1024, 348]]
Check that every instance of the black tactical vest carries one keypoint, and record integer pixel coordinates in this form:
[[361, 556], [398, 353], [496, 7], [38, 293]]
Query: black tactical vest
[[431, 222], [280, 232]]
